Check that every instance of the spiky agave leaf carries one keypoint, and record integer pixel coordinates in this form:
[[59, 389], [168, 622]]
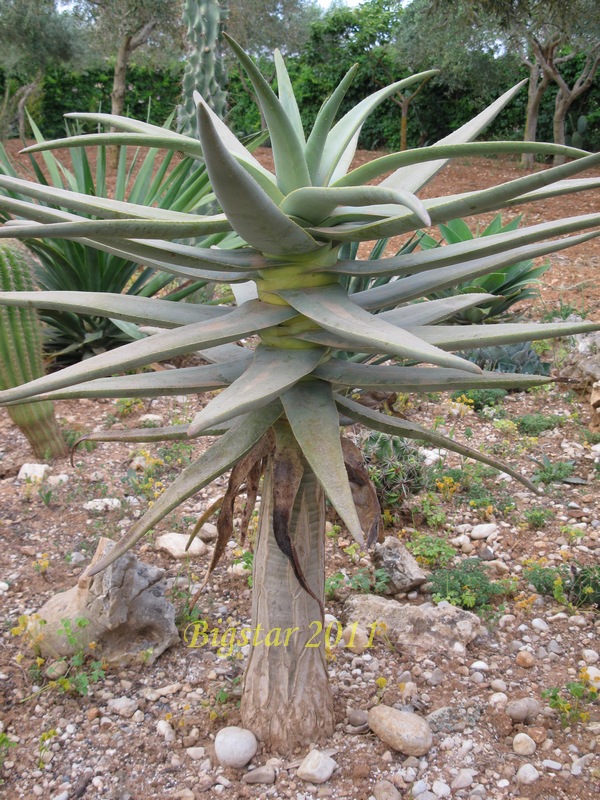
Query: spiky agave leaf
[[294, 224]]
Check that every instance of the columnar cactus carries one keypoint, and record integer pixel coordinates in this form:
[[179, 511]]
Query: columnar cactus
[[21, 358], [204, 70]]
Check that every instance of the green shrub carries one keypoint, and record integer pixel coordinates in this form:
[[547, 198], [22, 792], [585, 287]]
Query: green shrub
[[553, 472], [534, 424], [432, 551], [466, 585], [536, 518]]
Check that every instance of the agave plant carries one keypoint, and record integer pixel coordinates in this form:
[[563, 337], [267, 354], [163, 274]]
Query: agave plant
[[280, 408]]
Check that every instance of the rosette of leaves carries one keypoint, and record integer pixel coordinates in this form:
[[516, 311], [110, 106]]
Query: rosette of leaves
[[279, 411]]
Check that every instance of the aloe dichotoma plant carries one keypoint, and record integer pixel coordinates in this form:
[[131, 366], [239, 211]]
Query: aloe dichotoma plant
[[279, 411]]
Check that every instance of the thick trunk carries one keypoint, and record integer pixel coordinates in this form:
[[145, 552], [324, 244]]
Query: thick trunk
[[287, 699], [38, 423]]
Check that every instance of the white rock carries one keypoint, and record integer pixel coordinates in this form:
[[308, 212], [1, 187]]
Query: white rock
[[525, 708], [123, 706], [407, 733], [264, 774], [590, 656], [540, 625], [498, 700], [164, 729], [102, 504], [548, 763], [419, 787], [175, 544], [464, 779], [35, 473], [524, 745], [235, 747], [594, 676], [441, 789], [480, 666], [208, 532], [4, 587], [498, 685], [484, 531], [153, 419], [527, 774], [195, 753], [317, 767]]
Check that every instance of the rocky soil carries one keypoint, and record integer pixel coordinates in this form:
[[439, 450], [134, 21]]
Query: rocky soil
[[148, 730]]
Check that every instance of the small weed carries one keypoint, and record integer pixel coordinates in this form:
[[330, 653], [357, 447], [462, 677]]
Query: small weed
[[45, 495], [128, 405], [480, 398], [432, 551], [41, 564], [333, 583], [447, 487], [5, 744], [362, 581], [44, 746], [552, 472], [431, 510], [467, 586], [536, 518], [571, 701], [246, 558]]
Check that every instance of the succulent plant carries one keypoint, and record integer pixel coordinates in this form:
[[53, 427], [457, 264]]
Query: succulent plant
[[279, 411], [204, 70], [21, 358]]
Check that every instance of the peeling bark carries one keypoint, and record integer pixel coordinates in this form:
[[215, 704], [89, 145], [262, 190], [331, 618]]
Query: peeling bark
[[287, 700]]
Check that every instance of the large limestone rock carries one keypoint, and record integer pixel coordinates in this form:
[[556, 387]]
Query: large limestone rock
[[124, 611], [399, 565], [425, 628]]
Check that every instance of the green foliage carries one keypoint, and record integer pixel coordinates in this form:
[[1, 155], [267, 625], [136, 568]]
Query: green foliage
[[573, 700], [517, 358], [577, 586], [467, 585], [513, 284], [152, 94], [396, 468], [66, 265], [5, 744], [21, 357], [432, 551], [552, 472], [480, 398], [363, 581], [534, 424], [536, 518], [431, 510]]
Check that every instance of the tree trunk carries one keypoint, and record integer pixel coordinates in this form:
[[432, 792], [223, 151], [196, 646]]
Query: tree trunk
[[287, 700], [561, 107], [119, 89], [38, 423], [537, 88]]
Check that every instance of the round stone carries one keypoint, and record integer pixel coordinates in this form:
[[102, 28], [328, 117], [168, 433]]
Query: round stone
[[590, 656], [523, 709], [407, 733], [235, 747], [527, 774], [525, 659], [317, 767], [524, 745]]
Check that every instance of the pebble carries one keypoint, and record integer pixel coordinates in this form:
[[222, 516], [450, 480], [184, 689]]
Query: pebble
[[123, 706], [525, 659], [405, 732], [164, 729], [235, 747], [384, 790], [419, 787], [34, 473], [317, 767], [264, 774], [484, 531], [523, 745], [548, 763], [175, 544], [102, 504], [526, 708], [356, 638], [357, 717], [498, 685], [480, 666], [441, 789], [195, 753], [590, 656], [540, 625], [463, 779], [527, 774]]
